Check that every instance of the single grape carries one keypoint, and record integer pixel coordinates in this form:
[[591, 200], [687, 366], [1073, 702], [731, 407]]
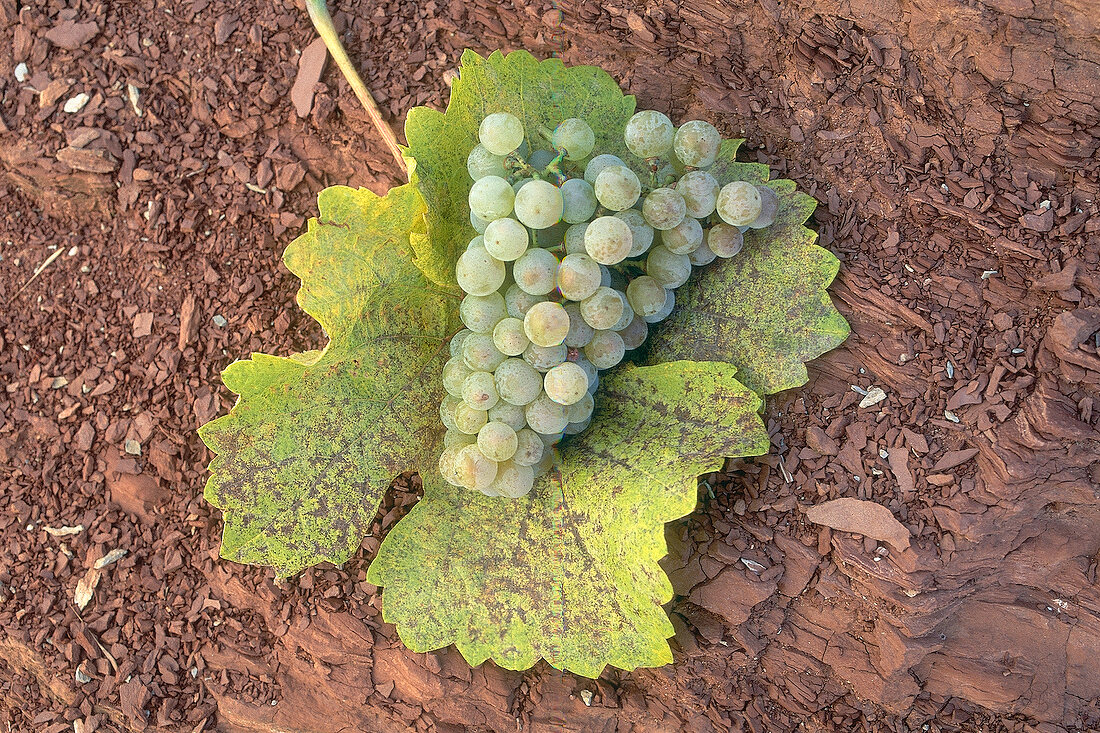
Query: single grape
[[739, 203], [512, 480], [517, 382], [455, 439], [635, 333], [447, 465], [545, 463], [546, 324], [509, 337], [646, 295], [479, 391], [670, 270], [580, 333], [577, 427], [769, 208], [540, 159], [479, 353], [481, 313], [469, 420], [580, 410], [641, 233], [545, 358], [477, 223], [628, 312], [509, 414], [536, 271], [608, 240], [575, 137], [491, 197], [501, 133], [579, 201], [605, 350], [481, 163], [496, 441], [519, 301], [539, 204], [590, 370], [566, 383], [529, 447], [457, 340], [578, 276], [546, 416], [602, 309], [506, 239], [697, 143], [664, 208], [478, 272], [703, 255], [725, 240], [473, 470], [605, 276], [574, 239], [700, 192], [617, 187], [476, 243], [520, 183], [551, 237], [598, 164], [447, 409], [666, 309], [549, 440], [455, 372], [684, 238], [649, 134]]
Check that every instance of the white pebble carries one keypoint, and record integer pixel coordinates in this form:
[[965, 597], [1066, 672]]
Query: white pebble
[[77, 103], [22, 73]]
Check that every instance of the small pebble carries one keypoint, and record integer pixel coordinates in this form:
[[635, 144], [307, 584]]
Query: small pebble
[[950, 370], [77, 103], [133, 447], [22, 73], [220, 321], [753, 565], [586, 696], [874, 396], [81, 677], [950, 416]]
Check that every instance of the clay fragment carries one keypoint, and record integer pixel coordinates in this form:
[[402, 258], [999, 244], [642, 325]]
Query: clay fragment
[[862, 517]]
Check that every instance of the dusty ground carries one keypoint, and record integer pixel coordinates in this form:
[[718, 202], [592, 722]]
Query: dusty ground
[[953, 149]]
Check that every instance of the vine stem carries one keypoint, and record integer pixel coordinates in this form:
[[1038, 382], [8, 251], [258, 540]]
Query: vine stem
[[322, 21]]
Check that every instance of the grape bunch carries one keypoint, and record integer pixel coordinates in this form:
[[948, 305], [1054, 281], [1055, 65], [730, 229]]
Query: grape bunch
[[575, 258]]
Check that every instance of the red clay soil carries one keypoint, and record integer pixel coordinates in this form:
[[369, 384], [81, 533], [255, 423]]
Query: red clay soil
[[953, 148]]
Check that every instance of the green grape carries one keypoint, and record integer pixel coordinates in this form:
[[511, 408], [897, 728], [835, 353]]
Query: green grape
[[546, 324], [540, 159], [666, 309], [635, 333], [491, 198], [617, 187], [549, 440], [769, 208], [476, 242], [703, 255], [479, 353], [481, 163], [697, 143], [519, 301], [649, 134], [455, 439], [545, 463], [481, 313], [598, 164], [566, 383], [447, 465], [605, 276], [509, 414], [575, 137], [478, 272], [604, 351], [574, 239], [579, 201], [512, 480], [529, 447], [590, 371], [608, 240], [477, 223], [628, 312], [670, 270], [509, 337], [545, 358], [520, 183], [580, 333], [641, 233], [457, 340], [517, 382], [539, 204], [725, 240], [700, 192], [581, 410], [536, 271], [684, 238], [468, 420], [501, 133], [664, 208], [496, 441], [546, 416], [473, 470], [578, 276], [646, 295], [479, 391], [739, 203], [506, 239], [602, 309], [551, 237], [447, 411], [455, 372]]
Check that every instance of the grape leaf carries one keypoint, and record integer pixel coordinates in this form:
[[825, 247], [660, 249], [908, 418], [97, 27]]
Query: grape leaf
[[569, 572], [315, 439]]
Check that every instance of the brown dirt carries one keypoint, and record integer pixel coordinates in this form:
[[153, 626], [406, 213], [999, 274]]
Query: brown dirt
[[934, 133]]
